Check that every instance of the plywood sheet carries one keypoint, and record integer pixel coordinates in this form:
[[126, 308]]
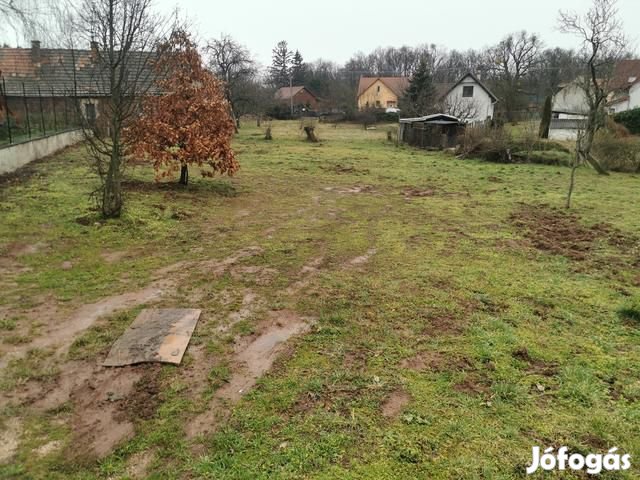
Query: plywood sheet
[[156, 335]]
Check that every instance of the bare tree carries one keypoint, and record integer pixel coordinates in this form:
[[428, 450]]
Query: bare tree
[[512, 60], [464, 109], [232, 63], [603, 44], [124, 36], [30, 19]]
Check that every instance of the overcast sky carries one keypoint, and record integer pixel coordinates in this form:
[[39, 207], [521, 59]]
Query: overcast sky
[[335, 29]]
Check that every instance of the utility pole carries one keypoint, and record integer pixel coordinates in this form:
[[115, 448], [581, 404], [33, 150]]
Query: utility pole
[[291, 93]]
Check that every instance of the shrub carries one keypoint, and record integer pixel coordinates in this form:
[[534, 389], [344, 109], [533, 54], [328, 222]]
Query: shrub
[[617, 154], [630, 119]]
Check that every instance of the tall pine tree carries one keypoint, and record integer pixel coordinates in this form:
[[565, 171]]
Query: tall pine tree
[[298, 69], [281, 65], [420, 97]]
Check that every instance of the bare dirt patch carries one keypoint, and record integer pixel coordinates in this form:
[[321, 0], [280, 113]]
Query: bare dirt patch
[[535, 366], [145, 397], [60, 332], [258, 274], [473, 384], [307, 272], [435, 362], [11, 434], [563, 233], [346, 169], [362, 259], [252, 358], [395, 403], [99, 420], [418, 192], [352, 189], [139, 463]]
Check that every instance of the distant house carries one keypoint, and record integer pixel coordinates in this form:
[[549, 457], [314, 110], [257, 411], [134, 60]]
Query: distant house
[[570, 102], [301, 96], [381, 92], [468, 99], [625, 86], [60, 80]]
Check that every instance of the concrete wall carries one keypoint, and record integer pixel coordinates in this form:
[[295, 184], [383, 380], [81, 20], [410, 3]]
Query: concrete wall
[[15, 156]]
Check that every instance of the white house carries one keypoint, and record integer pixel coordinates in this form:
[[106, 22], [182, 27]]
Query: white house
[[625, 86], [468, 99], [570, 102]]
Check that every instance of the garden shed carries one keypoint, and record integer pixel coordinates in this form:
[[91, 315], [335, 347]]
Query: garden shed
[[431, 131]]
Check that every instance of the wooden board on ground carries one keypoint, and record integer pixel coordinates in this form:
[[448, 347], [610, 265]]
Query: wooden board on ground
[[156, 335]]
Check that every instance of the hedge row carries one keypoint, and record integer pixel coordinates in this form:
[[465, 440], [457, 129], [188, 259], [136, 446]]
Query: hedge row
[[630, 119]]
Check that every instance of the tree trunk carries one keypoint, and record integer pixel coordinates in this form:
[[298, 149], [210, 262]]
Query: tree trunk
[[258, 120], [112, 189], [545, 122], [311, 135], [184, 175], [572, 181]]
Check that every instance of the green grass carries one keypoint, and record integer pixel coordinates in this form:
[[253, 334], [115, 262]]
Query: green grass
[[521, 346]]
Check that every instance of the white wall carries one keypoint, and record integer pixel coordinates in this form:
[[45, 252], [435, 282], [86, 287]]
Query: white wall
[[570, 99], [482, 100], [15, 156], [563, 134], [634, 94]]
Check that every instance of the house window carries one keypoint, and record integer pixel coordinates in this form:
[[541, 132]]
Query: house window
[[391, 104], [467, 91], [378, 88], [378, 103]]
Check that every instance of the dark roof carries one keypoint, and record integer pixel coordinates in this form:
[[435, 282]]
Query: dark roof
[[64, 71], [397, 85], [434, 119], [285, 93], [469, 74], [625, 74]]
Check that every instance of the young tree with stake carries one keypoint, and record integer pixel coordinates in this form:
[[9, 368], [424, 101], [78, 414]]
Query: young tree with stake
[[603, 44]]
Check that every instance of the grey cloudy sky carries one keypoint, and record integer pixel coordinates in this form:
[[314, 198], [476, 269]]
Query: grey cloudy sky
[[335, 29]]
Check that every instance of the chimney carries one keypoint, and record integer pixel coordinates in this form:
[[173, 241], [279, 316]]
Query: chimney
[[94, 49], [35, 51]]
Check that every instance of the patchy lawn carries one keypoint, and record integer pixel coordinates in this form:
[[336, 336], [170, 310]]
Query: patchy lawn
[[369, 312]]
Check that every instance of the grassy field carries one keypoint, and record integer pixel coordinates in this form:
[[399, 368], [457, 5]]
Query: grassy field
[[429, 317]]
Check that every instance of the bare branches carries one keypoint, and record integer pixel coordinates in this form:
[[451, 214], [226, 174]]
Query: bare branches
[[464, 109], [603, 44], [124, 37]]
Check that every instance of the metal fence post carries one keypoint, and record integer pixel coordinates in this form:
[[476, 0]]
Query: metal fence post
[[26, 110], [66, 114], [6, 109], [44, 129], [55, 118]]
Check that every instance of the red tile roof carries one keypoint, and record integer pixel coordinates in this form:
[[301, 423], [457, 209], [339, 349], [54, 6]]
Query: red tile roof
[[625, 74]]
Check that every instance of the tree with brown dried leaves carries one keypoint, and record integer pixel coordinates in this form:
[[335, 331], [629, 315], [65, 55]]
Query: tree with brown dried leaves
[[190, 123]]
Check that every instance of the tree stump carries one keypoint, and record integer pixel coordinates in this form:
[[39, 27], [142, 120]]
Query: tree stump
[[311, 134], [267, 134]]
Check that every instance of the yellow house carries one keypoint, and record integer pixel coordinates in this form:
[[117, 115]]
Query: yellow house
[[381, 92]]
